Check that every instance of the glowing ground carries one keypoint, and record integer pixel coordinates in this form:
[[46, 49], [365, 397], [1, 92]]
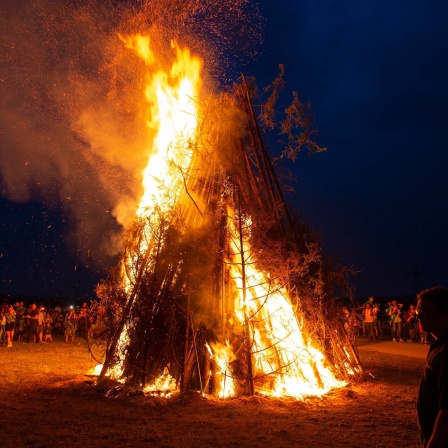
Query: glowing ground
[[48, 401]]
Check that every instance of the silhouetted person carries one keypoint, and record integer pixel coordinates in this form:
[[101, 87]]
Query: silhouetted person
[[412, 323], [47, 328], [32, 318], [432, 403]]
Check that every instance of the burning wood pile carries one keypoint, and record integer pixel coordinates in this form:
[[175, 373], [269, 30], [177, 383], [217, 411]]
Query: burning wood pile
[[220, 286]]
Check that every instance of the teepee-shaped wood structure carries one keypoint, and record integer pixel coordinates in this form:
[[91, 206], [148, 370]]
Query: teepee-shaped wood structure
[[222, 291]]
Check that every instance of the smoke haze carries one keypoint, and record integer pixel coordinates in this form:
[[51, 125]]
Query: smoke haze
[[72, 116]]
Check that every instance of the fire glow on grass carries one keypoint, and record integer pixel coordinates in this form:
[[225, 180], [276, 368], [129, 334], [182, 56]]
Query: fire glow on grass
[[284, 362]]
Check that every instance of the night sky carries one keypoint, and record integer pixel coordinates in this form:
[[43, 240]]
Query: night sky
[[375, 73]]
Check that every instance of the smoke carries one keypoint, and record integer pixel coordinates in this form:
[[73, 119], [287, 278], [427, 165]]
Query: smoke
[[72, 117]]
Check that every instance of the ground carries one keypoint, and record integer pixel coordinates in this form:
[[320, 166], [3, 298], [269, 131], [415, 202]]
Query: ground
[[48, 400]]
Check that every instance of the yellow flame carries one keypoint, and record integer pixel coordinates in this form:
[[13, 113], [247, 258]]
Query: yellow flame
[[173, 110], [173, 114], [172, 98], [223, 356], [95, 370], [285, 363], [165, 385]]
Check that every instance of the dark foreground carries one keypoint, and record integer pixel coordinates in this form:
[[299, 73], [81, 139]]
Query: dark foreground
[[47, 400]]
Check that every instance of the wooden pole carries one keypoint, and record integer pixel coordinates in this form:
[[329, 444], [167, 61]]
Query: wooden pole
[[183, 386], [250, 379]]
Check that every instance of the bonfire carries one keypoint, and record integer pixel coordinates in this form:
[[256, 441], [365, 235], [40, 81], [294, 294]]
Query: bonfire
[[220, 287]]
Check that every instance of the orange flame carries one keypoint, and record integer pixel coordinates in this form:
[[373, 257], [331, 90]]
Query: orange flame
[[223, 357], [173, 115], [285, 363], [164, 385], [173, 110]]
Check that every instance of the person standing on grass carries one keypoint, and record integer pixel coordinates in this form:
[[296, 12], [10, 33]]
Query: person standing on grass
[[411, 321], [10, 317], [368, 322], [83, 317], [41, 322], [2, 325], [432, 402], [20, 312], [48, 328], [32, 328], [70, 325], [377, 322], [394, 312]]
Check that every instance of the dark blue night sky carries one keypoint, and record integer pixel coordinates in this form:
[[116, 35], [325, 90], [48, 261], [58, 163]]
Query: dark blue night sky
[[376, 75]]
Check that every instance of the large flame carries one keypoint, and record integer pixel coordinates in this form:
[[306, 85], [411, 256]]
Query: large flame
[[173, 103], [173, 110], [173, 115], [284, 361]]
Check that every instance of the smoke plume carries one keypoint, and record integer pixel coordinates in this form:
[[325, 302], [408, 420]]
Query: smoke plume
[[73, 117]]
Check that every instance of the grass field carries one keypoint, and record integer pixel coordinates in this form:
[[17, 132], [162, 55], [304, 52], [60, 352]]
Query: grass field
[[49, 400]]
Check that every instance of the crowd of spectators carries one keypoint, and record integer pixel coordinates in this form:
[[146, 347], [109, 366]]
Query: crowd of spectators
[[37, 324], [395, 322]]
